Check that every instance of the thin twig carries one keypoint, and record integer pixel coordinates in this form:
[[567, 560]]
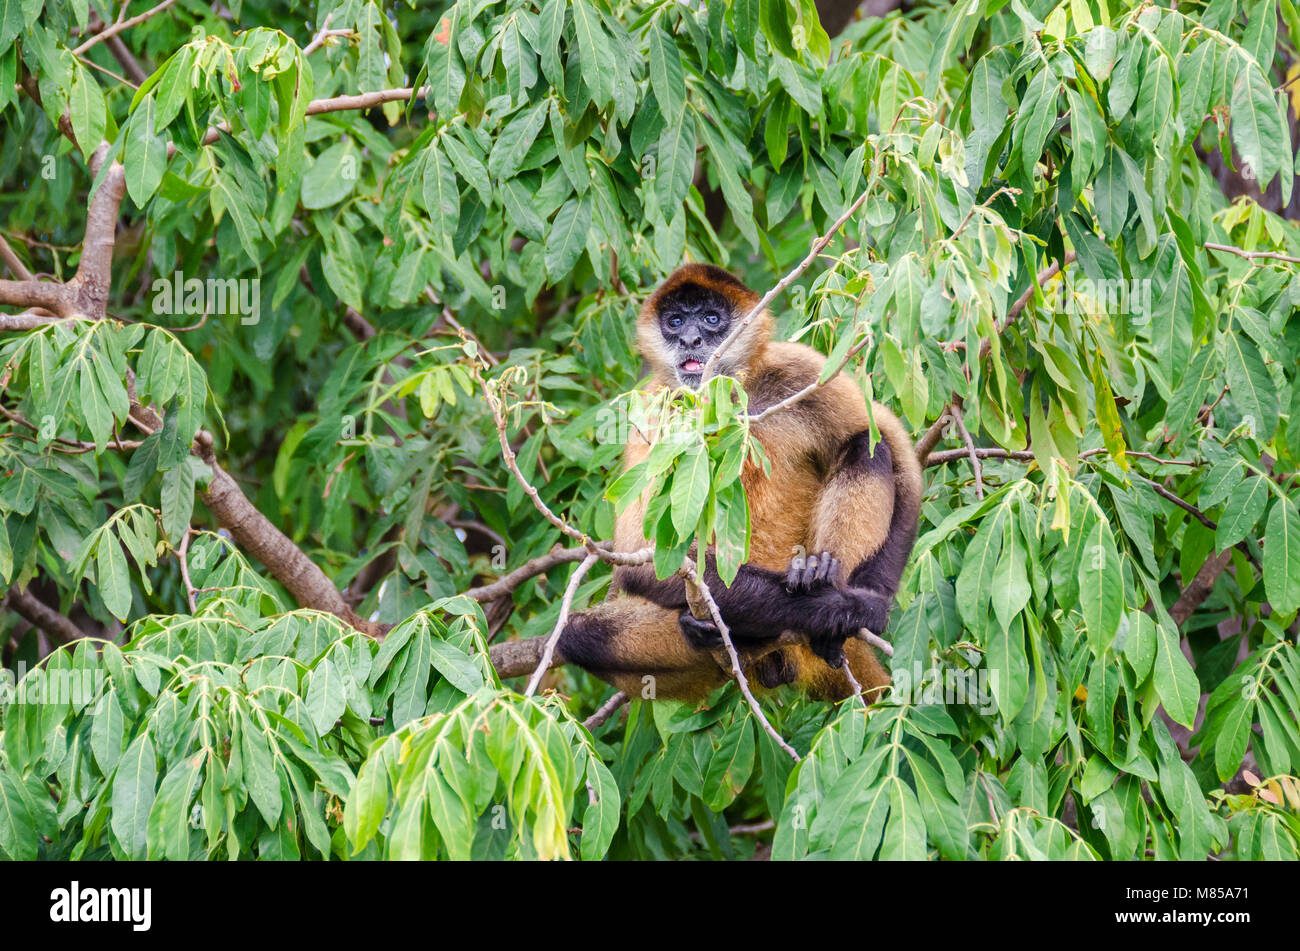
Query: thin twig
[[15, 263], [566, 603], [736, 670], [960, 420], [1252, 256], [811, 387], [535, 566], [853, 681], [606, 710], [182, 554], [121, 25], [325, 33], [876, 641], [817, 247]]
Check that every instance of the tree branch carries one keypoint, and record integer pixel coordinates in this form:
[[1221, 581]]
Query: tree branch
[[536, 566], [1199, 588], [566, 604], [256, 535], [1252, 256], [606, 710], [43, 616], [116, 28], [13, 262], [817, 247]]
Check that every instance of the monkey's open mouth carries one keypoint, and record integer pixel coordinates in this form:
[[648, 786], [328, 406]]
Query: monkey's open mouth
[[691, 366]]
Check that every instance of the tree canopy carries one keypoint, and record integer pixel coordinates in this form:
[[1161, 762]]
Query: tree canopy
[[317, 360]]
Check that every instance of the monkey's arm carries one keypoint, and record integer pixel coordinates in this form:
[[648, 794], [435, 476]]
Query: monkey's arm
[[757, 605]]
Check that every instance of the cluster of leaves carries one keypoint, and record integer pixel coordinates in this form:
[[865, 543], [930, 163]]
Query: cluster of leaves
[[546, 155]]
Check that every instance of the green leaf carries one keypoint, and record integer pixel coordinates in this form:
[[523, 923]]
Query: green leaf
[[1241, 512], [1101, 586], [1282, 556], [145, 155], [331, 176], [18, 835], [441, 195], [515, 140], [168, 829], [1258, 129], [1011, 589], [133, 796], [568, 236], [86, 110], [1175, 681], [595, 57], [666, 75], [1250, 384], [1035, 126], [690, 490], [177, 502], [730, 765], [111, 575], [676, 163], [905, 831], [325, 700], [456, 666], [600, 820], [1234, 733]]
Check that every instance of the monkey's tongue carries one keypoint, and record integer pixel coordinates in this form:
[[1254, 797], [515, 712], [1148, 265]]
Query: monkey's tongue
[[692, 366]]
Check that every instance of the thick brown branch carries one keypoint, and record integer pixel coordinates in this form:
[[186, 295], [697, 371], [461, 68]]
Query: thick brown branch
[[254, 533], [94, 277], [1200, 587], [516, 658], [43, 616], [43, 294]]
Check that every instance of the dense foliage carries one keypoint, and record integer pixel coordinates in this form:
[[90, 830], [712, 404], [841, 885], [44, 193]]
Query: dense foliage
[[1040, 247]]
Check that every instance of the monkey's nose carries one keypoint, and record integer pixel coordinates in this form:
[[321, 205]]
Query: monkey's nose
[[692, 338]]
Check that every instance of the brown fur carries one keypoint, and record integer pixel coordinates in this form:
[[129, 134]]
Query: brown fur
[[805, 504]]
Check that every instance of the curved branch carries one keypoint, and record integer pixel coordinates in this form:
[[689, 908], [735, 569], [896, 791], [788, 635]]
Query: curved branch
[[43, 616], [255, 534], [116, 28]]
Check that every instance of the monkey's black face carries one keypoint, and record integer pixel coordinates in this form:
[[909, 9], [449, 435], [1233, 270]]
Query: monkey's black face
[[693, 321]]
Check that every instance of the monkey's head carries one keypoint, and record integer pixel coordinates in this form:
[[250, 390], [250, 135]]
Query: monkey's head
[[689, 316]]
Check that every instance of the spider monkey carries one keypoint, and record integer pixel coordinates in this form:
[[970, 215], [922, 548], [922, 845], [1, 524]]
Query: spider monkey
[[830, 492]]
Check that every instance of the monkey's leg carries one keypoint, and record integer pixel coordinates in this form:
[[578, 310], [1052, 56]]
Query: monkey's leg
[[859, 521], [637, 646]]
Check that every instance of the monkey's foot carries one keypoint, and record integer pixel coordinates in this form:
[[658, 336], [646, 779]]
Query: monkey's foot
[[702, 635], [806, 575]]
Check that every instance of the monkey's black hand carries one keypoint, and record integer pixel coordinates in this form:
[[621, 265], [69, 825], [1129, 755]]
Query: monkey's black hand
[[866, 608], [841, 615], [806, 575], [702, 635]]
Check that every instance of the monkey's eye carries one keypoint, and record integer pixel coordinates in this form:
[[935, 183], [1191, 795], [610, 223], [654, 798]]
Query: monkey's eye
[[712, 318], [674, 322]]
